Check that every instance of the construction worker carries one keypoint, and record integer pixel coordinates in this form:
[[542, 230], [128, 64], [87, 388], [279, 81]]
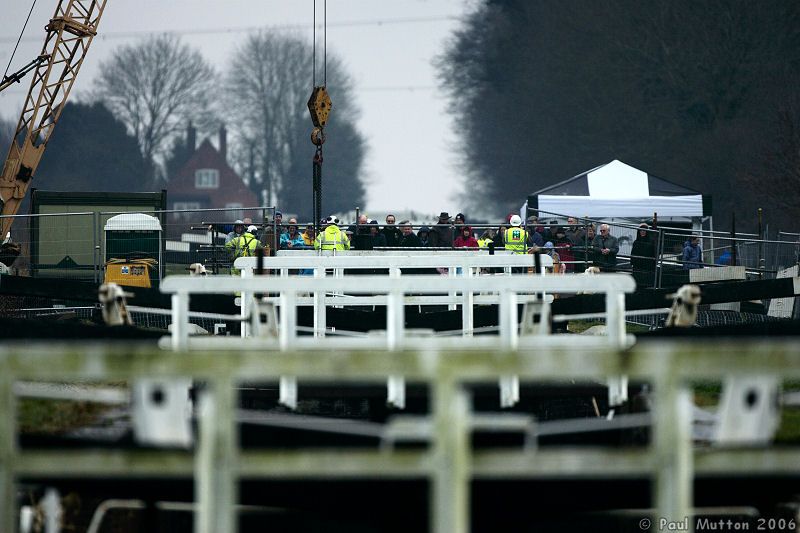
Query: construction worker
[[331, 238], [516, 237], [243, 246]]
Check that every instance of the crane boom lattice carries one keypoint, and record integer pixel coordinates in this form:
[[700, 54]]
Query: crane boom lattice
[[69, 34]]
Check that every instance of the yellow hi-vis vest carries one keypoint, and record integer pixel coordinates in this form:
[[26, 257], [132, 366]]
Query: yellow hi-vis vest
[[515, 239], [332, 239], [243, 246]]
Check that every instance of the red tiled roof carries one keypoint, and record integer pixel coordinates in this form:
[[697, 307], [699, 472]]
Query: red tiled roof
[[232, 189]]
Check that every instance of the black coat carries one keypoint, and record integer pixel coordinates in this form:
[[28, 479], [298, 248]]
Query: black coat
[[607, 262], [392, 235], [643, 254], [410, 240], [441, 236], [379, 239], [643, 261]]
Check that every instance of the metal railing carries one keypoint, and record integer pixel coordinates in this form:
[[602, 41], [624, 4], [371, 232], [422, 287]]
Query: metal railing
[[450, 463], [763, 257], [72, 245]]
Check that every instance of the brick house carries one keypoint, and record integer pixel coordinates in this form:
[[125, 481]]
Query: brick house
[[207, 181]]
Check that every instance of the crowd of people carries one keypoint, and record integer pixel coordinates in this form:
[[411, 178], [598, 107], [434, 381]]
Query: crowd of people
[[573, 247]]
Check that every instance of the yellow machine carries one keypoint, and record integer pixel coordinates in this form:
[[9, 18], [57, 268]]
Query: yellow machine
[[69, 34], [133, 273]]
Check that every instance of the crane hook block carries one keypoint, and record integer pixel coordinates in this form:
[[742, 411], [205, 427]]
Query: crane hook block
[[319, 105], [317, 137]]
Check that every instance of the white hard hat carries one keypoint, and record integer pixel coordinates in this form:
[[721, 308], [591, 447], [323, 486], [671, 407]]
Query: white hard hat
[[332, 220], [515, 220], [252, 229]]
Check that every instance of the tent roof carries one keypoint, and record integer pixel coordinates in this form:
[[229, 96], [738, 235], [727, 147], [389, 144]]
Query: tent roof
[[132, 221], [619, 190], [616, 179]]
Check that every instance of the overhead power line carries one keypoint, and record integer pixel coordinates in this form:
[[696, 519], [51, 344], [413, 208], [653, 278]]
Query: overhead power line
[[19, 39], [396, 88], [377, 88], [246, 29]]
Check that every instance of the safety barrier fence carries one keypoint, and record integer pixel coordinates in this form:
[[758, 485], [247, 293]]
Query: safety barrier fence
[[218, 464], [762, 256], [395, 261], [392, 291], [454, 264], [73, 245], [614, 286]]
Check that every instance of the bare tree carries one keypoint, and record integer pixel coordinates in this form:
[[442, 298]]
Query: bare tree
[[154, 87], [267, 87]]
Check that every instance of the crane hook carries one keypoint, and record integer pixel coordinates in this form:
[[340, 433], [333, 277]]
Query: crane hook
[[317, 137]]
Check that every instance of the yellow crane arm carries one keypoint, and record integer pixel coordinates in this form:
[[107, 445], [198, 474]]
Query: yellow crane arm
[[17, 76], [69, 34]]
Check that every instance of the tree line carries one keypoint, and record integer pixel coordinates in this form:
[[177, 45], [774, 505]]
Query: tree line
[[700, 93], [128, 133]]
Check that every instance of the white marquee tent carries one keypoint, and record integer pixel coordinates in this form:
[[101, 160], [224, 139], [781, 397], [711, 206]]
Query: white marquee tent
[[617, 190]]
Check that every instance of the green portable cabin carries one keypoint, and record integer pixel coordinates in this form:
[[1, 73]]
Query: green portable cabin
[[133, 244], [65, 230]]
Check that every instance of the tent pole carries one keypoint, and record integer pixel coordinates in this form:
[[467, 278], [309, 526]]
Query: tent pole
[[760, 244], [713, 242], [655, 251]]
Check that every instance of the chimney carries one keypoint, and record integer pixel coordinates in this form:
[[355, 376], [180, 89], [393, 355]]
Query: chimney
[[223, 142], [191, 138]]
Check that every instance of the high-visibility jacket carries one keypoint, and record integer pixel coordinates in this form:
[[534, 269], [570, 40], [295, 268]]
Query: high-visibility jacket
[[484, 243], [332, 238], [515, 239], [243, 246]]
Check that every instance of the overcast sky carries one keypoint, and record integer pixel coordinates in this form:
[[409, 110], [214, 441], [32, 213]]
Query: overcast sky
[[387, 46]]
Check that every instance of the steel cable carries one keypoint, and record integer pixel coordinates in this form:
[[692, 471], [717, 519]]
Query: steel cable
[[10, 59]]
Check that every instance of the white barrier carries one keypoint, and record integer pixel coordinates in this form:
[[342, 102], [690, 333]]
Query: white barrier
[[307, 259], [394, 288], [614, 286], [217, 463], [457, 263]]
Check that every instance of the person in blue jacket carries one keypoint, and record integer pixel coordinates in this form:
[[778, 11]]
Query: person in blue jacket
[[292, 239], [692, 256]]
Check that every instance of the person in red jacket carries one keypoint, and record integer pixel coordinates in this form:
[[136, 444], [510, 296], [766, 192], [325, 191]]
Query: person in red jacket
[[563, 246], [465, 239]]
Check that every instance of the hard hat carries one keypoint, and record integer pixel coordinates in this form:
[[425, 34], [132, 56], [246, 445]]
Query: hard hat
[[515, 220], [252, 229], [238, 222], [332, 220]]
